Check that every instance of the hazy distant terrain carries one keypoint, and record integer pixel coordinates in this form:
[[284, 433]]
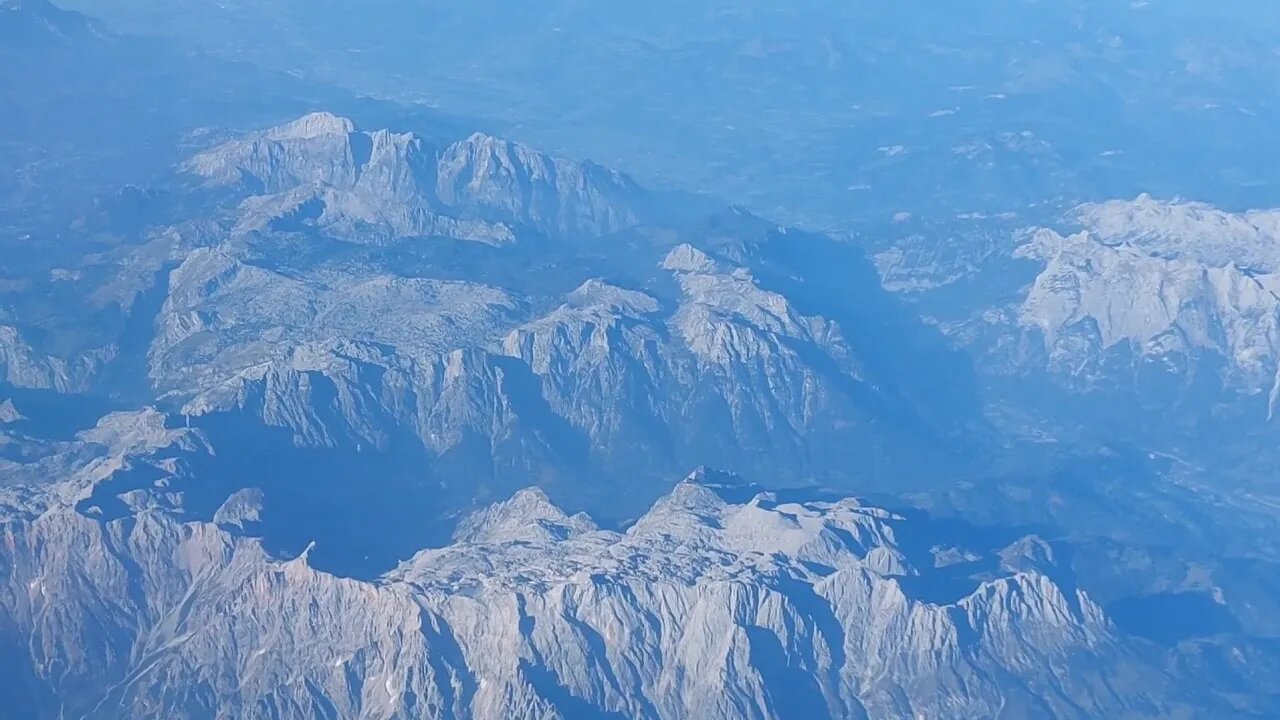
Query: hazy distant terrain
[[828, 113]]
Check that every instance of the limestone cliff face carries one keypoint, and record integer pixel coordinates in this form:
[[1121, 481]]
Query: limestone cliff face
[[1094, 297], [376, 186], [495, 178]]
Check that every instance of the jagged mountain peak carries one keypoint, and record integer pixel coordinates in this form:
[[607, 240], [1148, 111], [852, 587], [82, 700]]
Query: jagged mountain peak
[[689, 259], [597, 293], [312, 125], [797, 602], [502, 148], [529, 515], [1185, 229], [1029, 554], [1155, 291], [242, 509], [320, 171], [9, 412], [516, 157], [721, 482], [698, 506], [710, 526], [318, 149], [493, 178]]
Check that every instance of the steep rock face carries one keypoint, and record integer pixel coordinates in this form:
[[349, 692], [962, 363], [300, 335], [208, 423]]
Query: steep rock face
[[529, 516], [747, 377], [343, 360], [320, 170], [1216, 237], [1142, 323], [493, 178], [721, 602], [605, 364], [345, 394], [1092, 297], [1151, 293], [1171, 281], [745, 339], [362, 218], [317, 148]]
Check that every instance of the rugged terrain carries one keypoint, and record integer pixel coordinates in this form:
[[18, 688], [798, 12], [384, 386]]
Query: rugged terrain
[[357, 413], [723, 600], [390, 308], [431, 327]]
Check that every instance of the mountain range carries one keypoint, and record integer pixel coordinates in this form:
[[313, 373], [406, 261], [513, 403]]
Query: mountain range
[[310, 371], [363, 413], [722, 600]]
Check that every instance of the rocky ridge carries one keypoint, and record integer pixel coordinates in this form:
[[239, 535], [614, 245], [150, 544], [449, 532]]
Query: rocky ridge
[[464, 352], [1175, 302], [722, 601], [379, 186]]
